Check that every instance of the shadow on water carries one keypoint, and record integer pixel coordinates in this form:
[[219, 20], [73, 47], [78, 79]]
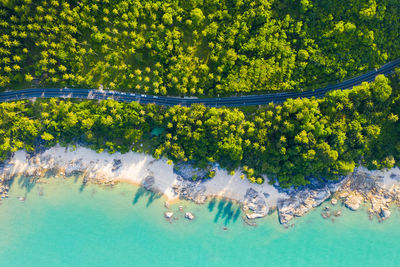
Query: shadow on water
[[211, 204], [141, 192], [82, 187], [26, 182], [226, 211]]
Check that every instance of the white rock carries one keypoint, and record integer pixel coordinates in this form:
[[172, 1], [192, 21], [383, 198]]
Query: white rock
[[353, 202], [333, 201], [168, 214], [189, 216], [255, 215]]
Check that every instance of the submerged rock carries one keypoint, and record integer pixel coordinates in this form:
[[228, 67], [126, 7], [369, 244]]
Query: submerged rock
[[326, 214], [337, 213]]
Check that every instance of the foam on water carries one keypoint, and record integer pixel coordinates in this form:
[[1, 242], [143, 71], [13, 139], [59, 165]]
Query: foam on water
[[67, 225]]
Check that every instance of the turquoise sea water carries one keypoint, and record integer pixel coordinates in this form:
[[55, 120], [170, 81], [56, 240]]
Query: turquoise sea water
[[63, 224]]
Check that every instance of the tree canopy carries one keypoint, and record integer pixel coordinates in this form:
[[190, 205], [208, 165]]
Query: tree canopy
[[192, 47]]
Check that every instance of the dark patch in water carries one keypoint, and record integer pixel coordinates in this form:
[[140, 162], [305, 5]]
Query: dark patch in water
[[211, 204], [227, 212], [141, 192], [26, 182]]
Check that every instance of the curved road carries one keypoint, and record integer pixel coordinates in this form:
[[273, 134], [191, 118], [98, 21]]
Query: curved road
[[249, 100]]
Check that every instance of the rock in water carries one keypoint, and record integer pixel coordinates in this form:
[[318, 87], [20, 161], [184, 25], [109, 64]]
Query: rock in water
[[333, 201], [353, 202], [189, 216], [168, 214], [254, 215], [254, 202], [166, 204], [300, 203], [384, 213], [337, 213]]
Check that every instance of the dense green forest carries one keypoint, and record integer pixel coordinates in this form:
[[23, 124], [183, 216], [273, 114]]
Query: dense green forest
[[288, 142], [194, 47]]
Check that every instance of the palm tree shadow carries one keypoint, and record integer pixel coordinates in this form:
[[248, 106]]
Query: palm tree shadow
[[141, 192], [26, 182], [211, 204], [226, 211]]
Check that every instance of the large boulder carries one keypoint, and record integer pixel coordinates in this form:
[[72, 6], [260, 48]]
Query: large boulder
[[353, 202], [148, 182]]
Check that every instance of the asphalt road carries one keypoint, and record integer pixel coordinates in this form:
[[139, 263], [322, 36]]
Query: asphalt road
[[236, 101]]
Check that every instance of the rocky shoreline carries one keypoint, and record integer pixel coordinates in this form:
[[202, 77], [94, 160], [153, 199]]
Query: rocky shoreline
[[376, 189]]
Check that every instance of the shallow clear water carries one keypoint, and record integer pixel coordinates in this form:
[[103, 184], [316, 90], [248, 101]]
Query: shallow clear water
[[124, 226]]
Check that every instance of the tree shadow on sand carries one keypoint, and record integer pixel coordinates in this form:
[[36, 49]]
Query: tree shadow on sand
[[141, 192], [226, 211]]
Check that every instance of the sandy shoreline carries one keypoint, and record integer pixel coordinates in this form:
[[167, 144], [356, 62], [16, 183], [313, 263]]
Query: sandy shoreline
[[133, 168]]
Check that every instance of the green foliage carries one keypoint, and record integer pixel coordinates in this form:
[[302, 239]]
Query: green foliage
[[194, 47]]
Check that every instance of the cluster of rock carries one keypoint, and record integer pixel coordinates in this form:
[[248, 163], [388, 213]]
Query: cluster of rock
[[187, 171], [300, 202], [189, 190], [364, 187], [38, 166], [169, 215], [3, 190], [254, 204], [4, 187]]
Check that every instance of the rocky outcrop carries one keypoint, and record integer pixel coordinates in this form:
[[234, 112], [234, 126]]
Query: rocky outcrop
[[254, 205], [363, 186], [353, 201], [187, 171], [148, 182], [188, 190], [301, 202]]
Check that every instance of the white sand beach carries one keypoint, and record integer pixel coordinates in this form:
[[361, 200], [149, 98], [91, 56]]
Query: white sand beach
[[133, 168]]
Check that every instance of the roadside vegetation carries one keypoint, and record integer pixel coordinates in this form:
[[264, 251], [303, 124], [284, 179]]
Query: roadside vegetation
[[194, 47], [289, 142]]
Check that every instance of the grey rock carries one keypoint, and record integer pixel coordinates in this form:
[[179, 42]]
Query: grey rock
[[148, 182], [384, 213], [255, 204], [301, 202], [117, 163], [187, 171]]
